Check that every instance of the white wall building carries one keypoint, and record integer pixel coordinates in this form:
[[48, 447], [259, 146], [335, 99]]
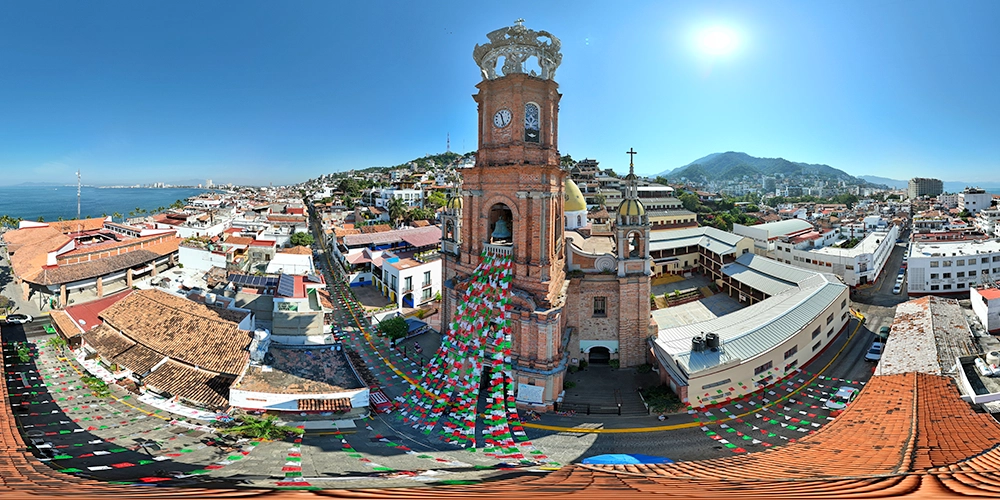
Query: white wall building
[[409, 281], [411, 197], [986, 305], [765, 236], [974, 200], [857, 266], [800, 314], [951, 267], [986, 221]]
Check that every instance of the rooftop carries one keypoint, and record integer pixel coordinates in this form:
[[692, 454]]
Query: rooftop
[[920, 249], [319, 370], [182, 329], [720, 242]]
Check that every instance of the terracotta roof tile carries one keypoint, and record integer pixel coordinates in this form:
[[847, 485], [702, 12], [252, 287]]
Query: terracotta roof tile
[[73, 226], [339, 404], [207, 388], [183, 329]]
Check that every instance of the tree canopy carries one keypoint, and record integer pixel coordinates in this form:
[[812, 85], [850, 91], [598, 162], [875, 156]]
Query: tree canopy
[[394, 327], [301, 239]]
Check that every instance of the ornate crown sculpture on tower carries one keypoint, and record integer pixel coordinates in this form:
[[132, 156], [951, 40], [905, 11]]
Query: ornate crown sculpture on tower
[[516, 44]]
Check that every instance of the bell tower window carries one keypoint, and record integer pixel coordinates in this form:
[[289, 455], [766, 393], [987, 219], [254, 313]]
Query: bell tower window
[[532, 124], [501, 225]]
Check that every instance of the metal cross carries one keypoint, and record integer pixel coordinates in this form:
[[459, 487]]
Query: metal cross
[[631, 156]]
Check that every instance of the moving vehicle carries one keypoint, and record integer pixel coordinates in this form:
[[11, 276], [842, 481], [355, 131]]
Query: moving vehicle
[[844, 396], [19, 319], [875, 352], [378, 401]]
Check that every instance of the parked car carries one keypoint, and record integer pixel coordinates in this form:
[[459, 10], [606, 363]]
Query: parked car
[[896, 290], [378, 401], [844, 396], [19, 319], [883, 333], [875, 352]]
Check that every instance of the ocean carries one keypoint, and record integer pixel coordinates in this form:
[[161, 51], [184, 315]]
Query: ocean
[[53, 202]]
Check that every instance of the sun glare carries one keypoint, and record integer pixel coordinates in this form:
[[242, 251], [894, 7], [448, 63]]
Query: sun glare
[[717, 41]]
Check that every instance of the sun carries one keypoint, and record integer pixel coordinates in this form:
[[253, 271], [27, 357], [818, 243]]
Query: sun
[[717, 41]]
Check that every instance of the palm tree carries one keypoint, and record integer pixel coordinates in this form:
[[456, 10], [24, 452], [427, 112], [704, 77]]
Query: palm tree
[[116, 215], [261, 428], [397, 210]]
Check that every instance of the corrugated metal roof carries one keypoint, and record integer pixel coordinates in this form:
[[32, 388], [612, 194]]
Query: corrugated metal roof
[[705, 236], [751, 331], [758, 280], [783, 227]]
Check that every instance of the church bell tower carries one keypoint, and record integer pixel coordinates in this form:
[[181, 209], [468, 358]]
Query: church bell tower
[[512, 199]]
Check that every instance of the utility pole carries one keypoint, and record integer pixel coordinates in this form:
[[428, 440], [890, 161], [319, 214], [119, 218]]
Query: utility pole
[[78, 223]]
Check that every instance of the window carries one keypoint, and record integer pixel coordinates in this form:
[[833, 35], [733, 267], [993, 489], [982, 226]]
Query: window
[[532, 124], [843, 303], [843, 317], [791, 352], [960, 275], [426, 294], [946, 263], [996, 258], [791, 365], [394, 283], [972, 273], [960, 285], [816, 332], [947, 287], [960, 262], [934, 263], [946, 275], [986, 260], [816, 347], [407, 283], [762, 368], [829, 333], [934, 276], [600, 306], [829, 319], [935, 287], [427, 278]]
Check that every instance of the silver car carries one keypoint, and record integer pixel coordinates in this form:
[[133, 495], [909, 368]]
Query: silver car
[[875, 352], [842, 398]]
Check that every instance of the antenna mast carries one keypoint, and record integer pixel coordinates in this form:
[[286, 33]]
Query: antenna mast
[[77, 194]]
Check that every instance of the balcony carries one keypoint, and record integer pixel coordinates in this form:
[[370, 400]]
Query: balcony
[[499, 250]]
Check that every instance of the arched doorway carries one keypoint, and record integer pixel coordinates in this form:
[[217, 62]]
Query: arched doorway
[[599, 355]]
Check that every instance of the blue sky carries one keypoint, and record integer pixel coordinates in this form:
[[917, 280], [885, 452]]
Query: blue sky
[[258, 92]]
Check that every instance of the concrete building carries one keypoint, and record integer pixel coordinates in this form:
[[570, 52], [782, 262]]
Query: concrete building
[[793, 315], [950, 266], [986, 305], [859, 265], [765, 236], [974, 200], [986, 222], [922, 186]]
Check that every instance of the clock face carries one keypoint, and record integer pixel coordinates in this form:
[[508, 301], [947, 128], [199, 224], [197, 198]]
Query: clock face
[[502, 118]]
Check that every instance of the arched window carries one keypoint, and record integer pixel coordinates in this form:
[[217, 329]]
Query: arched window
[[532, 124], [449, 230], [579, 220]]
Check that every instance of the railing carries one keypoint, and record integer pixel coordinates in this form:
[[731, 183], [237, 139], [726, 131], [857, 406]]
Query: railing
[[505, 250], [428, 256]]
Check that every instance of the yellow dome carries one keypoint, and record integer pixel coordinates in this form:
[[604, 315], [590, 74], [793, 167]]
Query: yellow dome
[[574, 198], [632, 208], [454, 203]]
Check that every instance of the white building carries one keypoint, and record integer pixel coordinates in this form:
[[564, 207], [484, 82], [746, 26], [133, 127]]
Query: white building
[[986, 221], [411, 197], [857, 266], [948, 200], [986, 305], [974, 200], [765, 236], [794, 315], [408, 279], [951, 267]]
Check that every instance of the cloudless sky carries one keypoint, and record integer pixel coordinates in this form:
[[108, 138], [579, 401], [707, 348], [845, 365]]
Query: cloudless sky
[[259, 92]]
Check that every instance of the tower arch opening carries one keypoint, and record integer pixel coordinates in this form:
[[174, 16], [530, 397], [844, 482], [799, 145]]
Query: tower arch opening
[[501, 225]]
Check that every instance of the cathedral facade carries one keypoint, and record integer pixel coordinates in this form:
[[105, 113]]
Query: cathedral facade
[[576, 296]]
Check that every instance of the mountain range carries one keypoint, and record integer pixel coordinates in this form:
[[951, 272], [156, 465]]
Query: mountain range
[[733, 166]]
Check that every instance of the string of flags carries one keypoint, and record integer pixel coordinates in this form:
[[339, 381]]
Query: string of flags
[[474, 357]]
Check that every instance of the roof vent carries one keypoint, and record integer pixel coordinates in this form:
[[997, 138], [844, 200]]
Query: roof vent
[[712, 341], [993, 358], [698, 344]]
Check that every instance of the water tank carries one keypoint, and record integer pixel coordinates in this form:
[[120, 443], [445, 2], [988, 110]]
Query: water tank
[[210, 298], [712, 341], [698, 344], [993, 358]]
